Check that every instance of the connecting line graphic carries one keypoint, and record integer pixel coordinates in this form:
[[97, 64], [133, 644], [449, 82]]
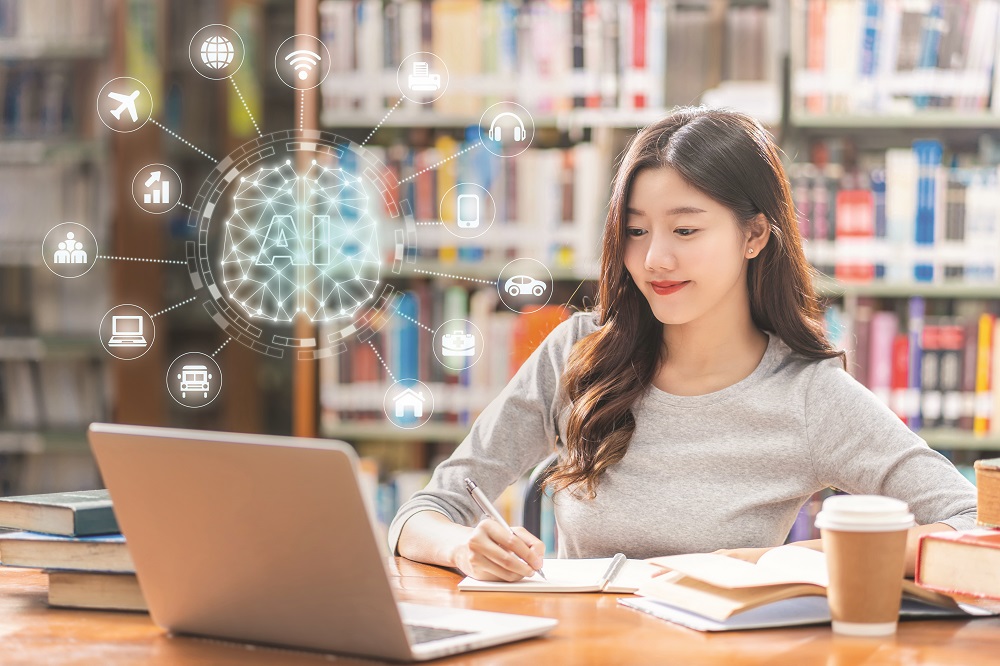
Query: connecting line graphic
[[429, 224], [456, 277], [434, 166], [182, 139], [245, 106], [383, 362], [228, 340], [302, 109], [151, 261], [173, 307], [382, 121], [184, 205], [408, 317]]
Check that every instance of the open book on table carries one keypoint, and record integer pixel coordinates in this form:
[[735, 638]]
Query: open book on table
[[609, 574], [786, 587]]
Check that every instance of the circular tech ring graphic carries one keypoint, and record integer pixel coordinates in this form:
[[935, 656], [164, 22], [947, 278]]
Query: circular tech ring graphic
[[295, 224]]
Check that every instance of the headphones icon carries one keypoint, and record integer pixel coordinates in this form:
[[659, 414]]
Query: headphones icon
[[519, 132]]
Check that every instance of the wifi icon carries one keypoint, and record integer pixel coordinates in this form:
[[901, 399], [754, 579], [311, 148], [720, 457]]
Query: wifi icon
[[303, 62]]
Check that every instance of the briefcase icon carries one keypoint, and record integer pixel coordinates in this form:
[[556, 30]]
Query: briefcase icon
[[458, 343]]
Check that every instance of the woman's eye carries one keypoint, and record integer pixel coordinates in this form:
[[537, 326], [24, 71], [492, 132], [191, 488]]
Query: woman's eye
[[635, 232], [686, 232]]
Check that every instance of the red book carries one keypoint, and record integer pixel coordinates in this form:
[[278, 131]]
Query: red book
[[899, 383], [855, 229], [964, 565], [639, 49]]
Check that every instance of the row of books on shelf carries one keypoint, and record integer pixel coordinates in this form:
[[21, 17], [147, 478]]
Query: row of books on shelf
[[547, 203], [72, 193], [51, 393], [908, 218], [353, 383], [932, 371], [894, 56], [36, 302], [53, 20], [549, 55], [39, 100]]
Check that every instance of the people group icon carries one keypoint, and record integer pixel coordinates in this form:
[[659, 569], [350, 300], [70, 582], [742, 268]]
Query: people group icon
[[70, 251]]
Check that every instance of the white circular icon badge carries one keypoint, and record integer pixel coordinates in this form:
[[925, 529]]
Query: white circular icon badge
[[216, 51], [69, 250], [194, 379], [408, 404], [127, 332], [124, 104], [156, 188]]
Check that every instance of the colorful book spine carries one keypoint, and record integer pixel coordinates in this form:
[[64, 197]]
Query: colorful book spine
[[929, 153], [983, 403]]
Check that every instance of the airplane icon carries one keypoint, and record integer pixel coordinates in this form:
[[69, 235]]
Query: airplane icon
[[127, 102]]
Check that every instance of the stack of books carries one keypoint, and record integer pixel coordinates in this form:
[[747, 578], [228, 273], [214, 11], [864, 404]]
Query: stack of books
[[73, 536], [965, 564]]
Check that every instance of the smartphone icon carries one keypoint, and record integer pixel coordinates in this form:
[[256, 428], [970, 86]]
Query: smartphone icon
[[468, 211]]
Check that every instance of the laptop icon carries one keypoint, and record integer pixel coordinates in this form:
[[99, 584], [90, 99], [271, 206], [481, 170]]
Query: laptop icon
[[269, 540], [126, 331]]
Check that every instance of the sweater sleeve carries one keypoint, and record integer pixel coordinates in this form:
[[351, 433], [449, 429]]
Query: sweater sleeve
[[515, 432], [861, 447]]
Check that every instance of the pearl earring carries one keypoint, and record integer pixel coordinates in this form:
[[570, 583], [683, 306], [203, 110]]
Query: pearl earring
[[750, 250]]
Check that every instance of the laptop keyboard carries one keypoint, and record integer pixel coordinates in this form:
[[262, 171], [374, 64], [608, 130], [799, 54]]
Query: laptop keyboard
[[421, 634]]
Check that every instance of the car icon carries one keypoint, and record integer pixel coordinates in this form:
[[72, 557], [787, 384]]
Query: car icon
[[524, 284]]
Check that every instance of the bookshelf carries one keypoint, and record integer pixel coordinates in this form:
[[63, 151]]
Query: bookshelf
[[47, 68]]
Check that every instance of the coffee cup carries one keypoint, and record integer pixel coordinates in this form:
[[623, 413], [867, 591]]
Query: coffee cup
[[864, 539]]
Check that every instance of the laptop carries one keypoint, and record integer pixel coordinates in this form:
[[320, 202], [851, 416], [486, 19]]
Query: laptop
[[126, 331], [268, 540]]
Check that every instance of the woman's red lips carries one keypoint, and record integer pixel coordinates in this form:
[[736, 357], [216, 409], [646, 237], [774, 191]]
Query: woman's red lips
[[664, 287]]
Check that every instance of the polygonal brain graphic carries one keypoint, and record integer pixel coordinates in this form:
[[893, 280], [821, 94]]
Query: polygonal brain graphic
[[300, 244]]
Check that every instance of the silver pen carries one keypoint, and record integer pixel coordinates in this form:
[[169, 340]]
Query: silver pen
[[487, 507]]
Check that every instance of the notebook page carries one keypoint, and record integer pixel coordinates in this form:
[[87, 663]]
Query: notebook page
[[561, 575]]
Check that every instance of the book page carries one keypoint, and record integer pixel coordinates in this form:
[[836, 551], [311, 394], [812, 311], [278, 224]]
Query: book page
[[561, 575], [779, 566]]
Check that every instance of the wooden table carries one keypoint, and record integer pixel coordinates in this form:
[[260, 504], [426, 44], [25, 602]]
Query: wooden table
[[593, 629]]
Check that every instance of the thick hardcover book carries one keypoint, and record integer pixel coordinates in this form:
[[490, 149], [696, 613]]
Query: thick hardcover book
[[47, 551], [95, 590], [964, 565], [80, 513]]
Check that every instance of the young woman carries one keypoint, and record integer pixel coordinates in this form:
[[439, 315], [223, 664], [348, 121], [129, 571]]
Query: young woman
[[701, 404]]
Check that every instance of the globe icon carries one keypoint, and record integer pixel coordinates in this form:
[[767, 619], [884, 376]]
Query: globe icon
[[217, 52]]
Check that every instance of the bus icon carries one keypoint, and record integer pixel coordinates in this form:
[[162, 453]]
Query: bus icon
[[194, 379]]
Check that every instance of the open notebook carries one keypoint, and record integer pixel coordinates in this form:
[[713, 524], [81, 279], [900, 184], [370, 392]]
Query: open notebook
[[786, 587], [609, 574]]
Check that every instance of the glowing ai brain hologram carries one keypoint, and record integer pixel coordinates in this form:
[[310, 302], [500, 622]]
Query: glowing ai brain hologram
[[300, 244]]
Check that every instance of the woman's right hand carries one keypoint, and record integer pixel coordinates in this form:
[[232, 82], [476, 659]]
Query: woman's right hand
[[493, 553]]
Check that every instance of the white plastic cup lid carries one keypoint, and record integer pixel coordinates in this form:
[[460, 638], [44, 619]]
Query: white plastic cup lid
[[864, 513]]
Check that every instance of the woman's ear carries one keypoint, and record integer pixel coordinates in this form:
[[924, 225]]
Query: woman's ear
[[758, 233]]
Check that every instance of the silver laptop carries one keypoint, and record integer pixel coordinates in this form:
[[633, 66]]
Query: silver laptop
[[268, 540]]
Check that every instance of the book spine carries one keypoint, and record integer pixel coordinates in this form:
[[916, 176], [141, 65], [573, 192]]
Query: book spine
[[983, 403], [916, 329]]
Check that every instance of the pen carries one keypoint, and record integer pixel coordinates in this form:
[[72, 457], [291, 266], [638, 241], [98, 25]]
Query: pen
[[487, 507]]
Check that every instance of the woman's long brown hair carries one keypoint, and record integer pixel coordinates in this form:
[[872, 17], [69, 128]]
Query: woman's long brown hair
[[731, 158]]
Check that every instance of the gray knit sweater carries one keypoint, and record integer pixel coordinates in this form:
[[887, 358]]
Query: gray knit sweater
[[729, 469]]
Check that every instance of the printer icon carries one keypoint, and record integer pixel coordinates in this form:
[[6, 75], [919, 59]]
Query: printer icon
[[458, 343]]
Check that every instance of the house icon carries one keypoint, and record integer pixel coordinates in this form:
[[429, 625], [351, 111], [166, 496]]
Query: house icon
[[409, 399]]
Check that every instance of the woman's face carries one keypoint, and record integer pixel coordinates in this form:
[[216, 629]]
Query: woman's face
[[682, 248]]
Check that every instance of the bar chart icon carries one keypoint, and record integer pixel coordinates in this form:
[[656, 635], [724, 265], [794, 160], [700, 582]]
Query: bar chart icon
[[156, 195], [156, 188]]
